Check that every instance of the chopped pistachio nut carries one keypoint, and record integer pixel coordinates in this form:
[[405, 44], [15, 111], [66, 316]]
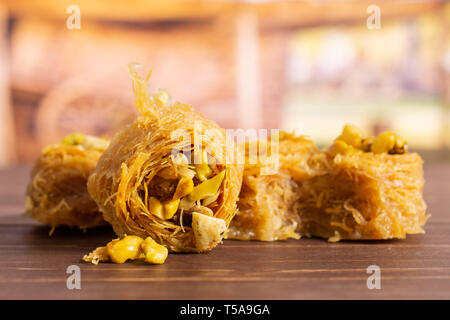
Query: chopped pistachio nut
[[340, 147], [351, 140], [351, 135], [366, 144], [155, 207], [207, 188], [384, 142], [154, 253], [73, 139], [170, 208], [86, 141], [201, 165], [129, 248], [186, 195], [124, 249], [203, 171], [400, 146], [184, 187]]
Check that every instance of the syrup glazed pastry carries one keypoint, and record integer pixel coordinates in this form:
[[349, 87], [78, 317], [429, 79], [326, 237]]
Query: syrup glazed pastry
[[57, 194], [270, 192], [359, 188], [365, 188], [158, 179]]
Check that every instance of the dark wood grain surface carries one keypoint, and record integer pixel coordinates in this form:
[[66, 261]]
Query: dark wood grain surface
[[33, 265]]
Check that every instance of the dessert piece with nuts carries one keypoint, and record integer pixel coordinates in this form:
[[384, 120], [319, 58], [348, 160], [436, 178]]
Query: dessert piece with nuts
[[351, 140], [166, 176], [364, 188], [358, 188], [57, 193]]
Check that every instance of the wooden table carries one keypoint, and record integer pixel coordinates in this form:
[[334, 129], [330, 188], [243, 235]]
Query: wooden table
[[33, 265]]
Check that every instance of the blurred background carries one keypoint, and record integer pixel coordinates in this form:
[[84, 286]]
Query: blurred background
[[308, 66]]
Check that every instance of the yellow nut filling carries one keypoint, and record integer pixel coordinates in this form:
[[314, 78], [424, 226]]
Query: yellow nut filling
[[366, 144], [124, 249], [351, 135], [154, 252], [400, 146], [351, 139], [73, 139], [129, 248], [155, 207], [86, 141], [170, 208], [384, 142], [203, 171], [184, 187], [207, 188], [341, 147], [186, 193]]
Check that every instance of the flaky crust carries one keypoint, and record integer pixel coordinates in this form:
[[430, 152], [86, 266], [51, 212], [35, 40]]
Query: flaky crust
[[362, 195], [57, 194], [267, 200]]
